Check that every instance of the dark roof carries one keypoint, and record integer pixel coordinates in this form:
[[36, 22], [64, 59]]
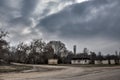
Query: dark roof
[[80, 58]]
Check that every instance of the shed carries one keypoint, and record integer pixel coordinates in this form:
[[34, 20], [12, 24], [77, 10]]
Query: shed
[[53, 61]]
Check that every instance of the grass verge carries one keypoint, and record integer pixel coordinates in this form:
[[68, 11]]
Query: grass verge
[[14, 68]]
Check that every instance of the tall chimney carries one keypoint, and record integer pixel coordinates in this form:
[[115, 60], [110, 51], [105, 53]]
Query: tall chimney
[[74, 49]]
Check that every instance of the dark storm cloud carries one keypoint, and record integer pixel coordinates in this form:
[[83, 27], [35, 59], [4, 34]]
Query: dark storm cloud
[[19, 16], [25, 13], [28, 7], [21, 21], [5, 10], [15, 17], [88, 19], [1, 2]]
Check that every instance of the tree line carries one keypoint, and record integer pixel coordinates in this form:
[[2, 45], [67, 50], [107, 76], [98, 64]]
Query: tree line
[[39, 52]]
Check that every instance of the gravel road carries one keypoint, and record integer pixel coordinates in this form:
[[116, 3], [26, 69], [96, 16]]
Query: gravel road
[[66, 73]]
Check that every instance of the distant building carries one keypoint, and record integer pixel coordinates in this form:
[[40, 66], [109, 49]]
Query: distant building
[[80, 59], [105, 62], [53, 61]]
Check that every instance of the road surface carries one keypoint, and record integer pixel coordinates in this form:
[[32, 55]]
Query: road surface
[[67, 73]]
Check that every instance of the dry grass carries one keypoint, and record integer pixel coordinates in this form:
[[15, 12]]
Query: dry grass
[[13, 68]]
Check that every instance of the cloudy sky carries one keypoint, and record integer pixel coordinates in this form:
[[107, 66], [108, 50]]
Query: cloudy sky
[[94, 24]]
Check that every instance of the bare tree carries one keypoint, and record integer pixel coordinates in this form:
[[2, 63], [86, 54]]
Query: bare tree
[[48, 53], [4, 46], [21, 52], [58, 47], [100, 57], [92, 57], [116, 58], [36, 51], [108, 57]]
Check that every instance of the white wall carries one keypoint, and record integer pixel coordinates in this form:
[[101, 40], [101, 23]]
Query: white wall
[[52, 61], [104, 62], [79, 62]]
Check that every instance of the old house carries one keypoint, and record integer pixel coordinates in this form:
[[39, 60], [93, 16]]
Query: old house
[[80, 59]]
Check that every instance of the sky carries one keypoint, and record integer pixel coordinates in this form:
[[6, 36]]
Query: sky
[[92, 24]]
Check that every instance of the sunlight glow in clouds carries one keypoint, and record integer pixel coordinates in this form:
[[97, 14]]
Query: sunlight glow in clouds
[[79, 1]]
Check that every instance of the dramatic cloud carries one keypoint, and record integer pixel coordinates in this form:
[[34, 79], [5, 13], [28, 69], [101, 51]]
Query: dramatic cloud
[[87, 23], [95, 19], [88, 19]]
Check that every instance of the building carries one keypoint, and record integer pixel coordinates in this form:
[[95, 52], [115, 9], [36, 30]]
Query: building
[[53, 61], [105, 61], [80, 59]]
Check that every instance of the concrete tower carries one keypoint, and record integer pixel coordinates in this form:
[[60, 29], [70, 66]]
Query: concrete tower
[[74, 49]]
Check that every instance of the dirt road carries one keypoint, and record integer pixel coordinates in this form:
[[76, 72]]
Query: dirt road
[[66, 73]]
